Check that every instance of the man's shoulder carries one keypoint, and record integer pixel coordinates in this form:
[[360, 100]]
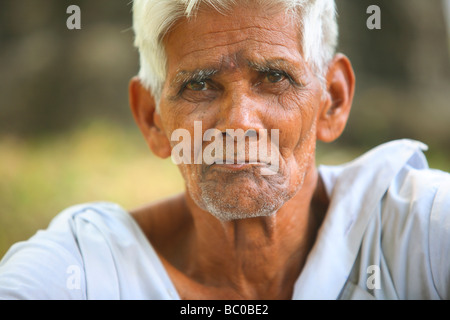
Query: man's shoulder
[[411, 211], [396, 174], [399, 208], [411, 179], [417, 198], [380, 167], [99, 215], [40, 267], [92, 250], [88, 211], [415, 220], [397, 166], [63, 230]]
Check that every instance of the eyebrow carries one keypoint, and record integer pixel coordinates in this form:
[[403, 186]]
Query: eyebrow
[[270, 65], [276, 65], [198, 75]]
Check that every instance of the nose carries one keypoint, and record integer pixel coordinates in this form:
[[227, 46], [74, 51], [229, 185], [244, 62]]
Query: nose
[[240, 110]]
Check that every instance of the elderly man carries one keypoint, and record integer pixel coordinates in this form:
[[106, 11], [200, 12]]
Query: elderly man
[[377, 227]]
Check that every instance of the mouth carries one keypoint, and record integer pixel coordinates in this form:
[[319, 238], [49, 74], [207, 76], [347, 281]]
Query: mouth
[[237, 164]]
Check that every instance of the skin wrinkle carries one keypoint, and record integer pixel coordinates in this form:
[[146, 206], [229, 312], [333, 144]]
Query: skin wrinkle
[[243, 29], [284, 64], [247, 235], [212, 35], [234, 43], [293, 15], [258, 28], [208, 198]]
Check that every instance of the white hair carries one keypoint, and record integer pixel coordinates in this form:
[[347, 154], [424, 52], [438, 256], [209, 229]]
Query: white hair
[[152, 19]]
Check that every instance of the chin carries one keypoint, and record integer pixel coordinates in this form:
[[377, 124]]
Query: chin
[[240, 195], [225, 212], [235, 203]]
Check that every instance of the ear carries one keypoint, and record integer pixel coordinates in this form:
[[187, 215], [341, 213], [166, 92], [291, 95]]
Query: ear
[[143, 107], [338, 99]]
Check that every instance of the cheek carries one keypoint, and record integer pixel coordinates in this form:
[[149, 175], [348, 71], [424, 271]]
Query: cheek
[[296, 121], [179, 128]]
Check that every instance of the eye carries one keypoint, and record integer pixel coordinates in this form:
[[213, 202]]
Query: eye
[[275, 76], [197, 86]]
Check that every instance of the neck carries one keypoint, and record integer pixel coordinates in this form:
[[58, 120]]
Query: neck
[[257, 256]]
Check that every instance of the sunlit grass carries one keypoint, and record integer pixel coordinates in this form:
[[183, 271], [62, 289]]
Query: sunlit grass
[[97, 162]]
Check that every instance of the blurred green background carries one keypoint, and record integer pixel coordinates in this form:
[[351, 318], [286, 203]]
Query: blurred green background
[[67, 136]]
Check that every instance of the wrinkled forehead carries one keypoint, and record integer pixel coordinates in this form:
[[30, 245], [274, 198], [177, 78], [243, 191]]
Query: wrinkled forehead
[[237, 38]]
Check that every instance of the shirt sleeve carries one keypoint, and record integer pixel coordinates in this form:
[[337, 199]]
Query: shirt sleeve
[[46, 267], [440, 239]]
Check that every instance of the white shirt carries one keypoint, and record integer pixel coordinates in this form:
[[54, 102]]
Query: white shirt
[[386, 235]]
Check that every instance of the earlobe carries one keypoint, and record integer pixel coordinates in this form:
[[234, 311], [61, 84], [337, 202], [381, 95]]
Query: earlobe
[[338, 101], [143, 108]]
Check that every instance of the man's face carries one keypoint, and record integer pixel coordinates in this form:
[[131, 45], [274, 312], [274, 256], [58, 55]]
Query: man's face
[[243, 70]]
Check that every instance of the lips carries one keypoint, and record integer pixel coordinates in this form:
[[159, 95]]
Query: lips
[[235, 162], [237, 165], [266, 162], [240, 160]]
